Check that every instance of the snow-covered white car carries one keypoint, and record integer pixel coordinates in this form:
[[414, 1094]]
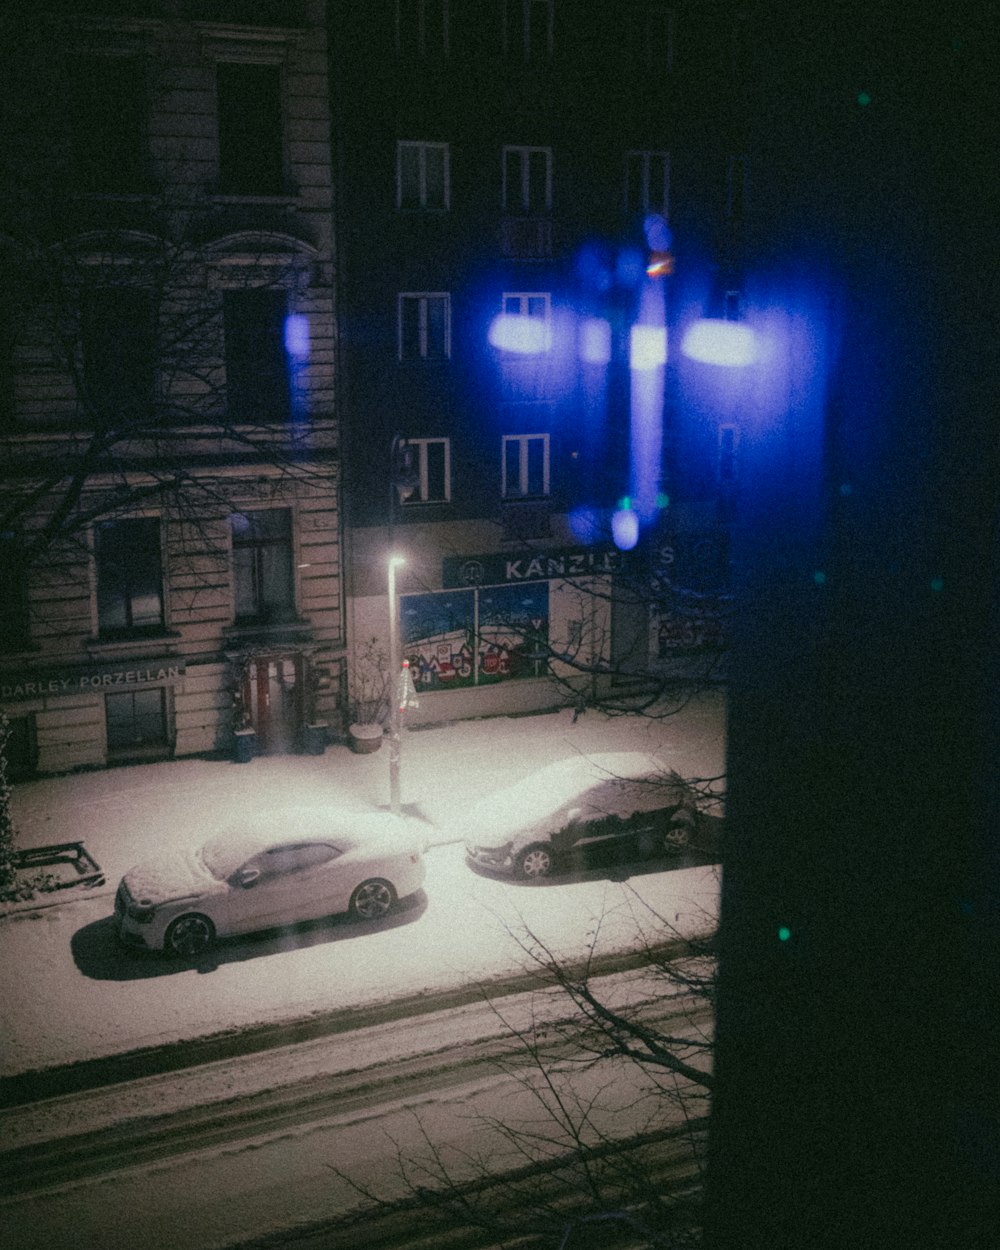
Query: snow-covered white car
[[532, 827], [272, 869]]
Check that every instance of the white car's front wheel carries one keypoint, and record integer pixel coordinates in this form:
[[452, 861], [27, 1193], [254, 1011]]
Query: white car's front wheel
[[189, 935], [372, 899]]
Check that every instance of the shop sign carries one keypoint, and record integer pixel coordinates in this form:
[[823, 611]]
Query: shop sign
[[76, 681], [529, 566]]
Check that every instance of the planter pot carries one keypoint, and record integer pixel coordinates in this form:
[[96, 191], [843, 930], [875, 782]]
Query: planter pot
[[314, 738], [246, 745], [364, 738]]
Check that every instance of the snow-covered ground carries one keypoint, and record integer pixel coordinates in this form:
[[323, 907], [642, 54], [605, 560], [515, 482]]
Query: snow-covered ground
[[70, 993]]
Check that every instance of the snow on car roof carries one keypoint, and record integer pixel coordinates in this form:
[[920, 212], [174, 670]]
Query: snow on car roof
[[538, 802], [257, 831]]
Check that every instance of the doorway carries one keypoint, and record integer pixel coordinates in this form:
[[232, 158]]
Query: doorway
[[272, 693]]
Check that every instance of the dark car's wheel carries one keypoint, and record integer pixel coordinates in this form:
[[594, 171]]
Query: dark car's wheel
[[679, 832], [372, 899], [534, 862], [189, 935]]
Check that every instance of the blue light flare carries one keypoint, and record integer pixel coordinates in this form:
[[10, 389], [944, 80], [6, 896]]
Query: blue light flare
[[714, 341], [528, 336], [647, 347], [624, 528], [595, 341], [297, 335]]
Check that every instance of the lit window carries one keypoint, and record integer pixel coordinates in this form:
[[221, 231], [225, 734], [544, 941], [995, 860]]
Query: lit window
[[263, 566], [251, 157], [431, 471], [424, 325], [129, 575], [647, 182], [422, 176], [525, 467], [527, 180]]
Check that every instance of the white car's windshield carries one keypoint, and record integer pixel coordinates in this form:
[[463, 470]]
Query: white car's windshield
[[222, 855]]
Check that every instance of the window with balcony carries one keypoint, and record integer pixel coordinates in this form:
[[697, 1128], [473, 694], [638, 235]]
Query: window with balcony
[[263, 566], [258, 374], [430, 471], [424, 325], [525, 466], [422, 28], [647, 183], [129, 577], [422, 176], [528, 29], [107, 123], [250, 129], [118, 349]]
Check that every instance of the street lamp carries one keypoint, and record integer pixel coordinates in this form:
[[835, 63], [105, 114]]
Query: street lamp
[[395, 667]]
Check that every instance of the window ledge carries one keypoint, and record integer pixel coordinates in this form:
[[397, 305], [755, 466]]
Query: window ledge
[[127, 644]]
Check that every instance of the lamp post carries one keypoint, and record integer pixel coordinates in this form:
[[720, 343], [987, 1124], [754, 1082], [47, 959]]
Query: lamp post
[[395, 666]]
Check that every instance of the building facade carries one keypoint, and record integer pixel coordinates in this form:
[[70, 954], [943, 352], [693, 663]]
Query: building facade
[[510, 177], [169, 458]]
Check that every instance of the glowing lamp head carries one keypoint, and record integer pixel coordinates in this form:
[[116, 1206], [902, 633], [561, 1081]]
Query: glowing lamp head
[[715, 341]]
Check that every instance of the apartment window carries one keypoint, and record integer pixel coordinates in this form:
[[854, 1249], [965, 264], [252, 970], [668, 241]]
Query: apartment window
[[527, 180], [251, 157], [527, 29], [258, 382], [649, 36], [136, 719], [647, 182], [263, 566], [129, 576], [422, 176], [14, 632], [525, 467], [424, 325], [117, 339], [106, 122], [431, 471], [422, 27]]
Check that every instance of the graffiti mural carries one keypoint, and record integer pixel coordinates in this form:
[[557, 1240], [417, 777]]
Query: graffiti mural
[[476, 637]]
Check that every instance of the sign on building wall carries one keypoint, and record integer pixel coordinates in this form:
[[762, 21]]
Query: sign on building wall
[[102, 679], [530, 566], [475, 637]]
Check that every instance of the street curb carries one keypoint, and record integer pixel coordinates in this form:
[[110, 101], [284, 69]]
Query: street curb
[[32, 1086]]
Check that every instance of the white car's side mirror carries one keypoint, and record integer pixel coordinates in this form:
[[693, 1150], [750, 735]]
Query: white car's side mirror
[[249, 877]]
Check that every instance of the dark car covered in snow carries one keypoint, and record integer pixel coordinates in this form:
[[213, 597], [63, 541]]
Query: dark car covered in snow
[[533, 828]]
